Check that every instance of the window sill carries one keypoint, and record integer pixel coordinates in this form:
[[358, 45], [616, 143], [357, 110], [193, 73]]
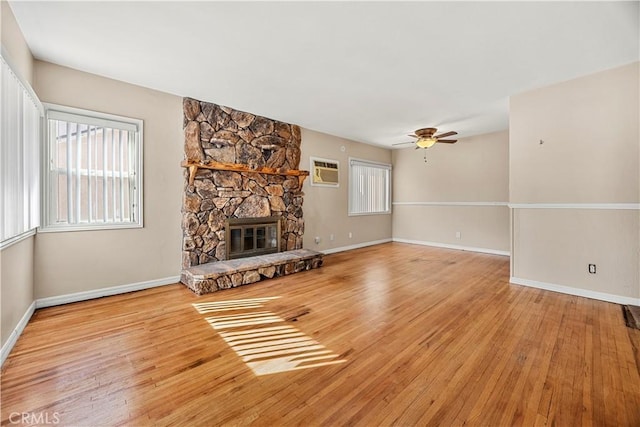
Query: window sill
[[369, 213], [85, 227]]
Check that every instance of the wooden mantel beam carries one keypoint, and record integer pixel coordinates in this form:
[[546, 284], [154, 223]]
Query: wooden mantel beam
[[235, 167]]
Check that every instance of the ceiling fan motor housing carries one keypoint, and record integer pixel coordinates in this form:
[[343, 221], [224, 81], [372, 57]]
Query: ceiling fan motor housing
[[426, 132]]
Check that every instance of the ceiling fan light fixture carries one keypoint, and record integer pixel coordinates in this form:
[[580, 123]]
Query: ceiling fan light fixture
[[426, 142]]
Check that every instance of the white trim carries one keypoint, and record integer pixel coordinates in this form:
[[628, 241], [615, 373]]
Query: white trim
[[104, 292], [457, 247], [618, 299], [512, 240], [452, 203], [16, 239], [356, 246], [88, 227], [94, 118], [610, 206], [370, 213], [15, 334], [365, 162]]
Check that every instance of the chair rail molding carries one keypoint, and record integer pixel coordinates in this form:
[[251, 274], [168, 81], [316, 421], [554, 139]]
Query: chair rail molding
[[450, 203], [604, 206]]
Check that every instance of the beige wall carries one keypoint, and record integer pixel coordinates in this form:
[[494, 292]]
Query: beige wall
[[79, 261], [474, 170], [556, 245], [14, 43], [16, 261], [17, 284], [590, 131], [590, 155], [326, 209]]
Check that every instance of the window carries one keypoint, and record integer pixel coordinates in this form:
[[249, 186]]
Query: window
[[369, 187], [20, 124], [93, 170]]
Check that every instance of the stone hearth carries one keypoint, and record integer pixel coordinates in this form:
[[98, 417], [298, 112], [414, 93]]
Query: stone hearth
[[215, 276]]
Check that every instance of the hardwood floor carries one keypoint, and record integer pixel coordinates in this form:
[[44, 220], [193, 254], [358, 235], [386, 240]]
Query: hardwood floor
[[429, 337]]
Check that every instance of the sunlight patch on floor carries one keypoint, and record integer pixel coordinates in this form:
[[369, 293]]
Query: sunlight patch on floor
[[269, 349], [259, 318], [215, 306]]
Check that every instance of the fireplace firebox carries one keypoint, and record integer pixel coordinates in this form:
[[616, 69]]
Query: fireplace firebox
[[252, 236]]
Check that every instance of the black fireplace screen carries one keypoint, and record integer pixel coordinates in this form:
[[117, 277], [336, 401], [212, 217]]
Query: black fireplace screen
[[252, 236]]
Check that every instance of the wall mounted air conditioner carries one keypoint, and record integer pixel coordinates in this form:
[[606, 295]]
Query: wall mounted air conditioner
[[324, 172]]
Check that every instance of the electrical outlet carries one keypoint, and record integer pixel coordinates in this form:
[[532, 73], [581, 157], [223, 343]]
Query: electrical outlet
[[458, 235], [350, 235], [317, 240], [592, 268], [331, 237]]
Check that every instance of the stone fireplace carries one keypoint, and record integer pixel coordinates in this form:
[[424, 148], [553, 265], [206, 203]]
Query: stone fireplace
[[241, 171]]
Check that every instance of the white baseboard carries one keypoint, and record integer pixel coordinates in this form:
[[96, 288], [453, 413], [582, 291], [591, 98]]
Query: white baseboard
[[457, 247], [76, 297], [618, 299], [356, 246], [104, 292], [17, 331]]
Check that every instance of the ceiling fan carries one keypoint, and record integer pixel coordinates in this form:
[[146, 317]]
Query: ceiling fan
[[427, 137]]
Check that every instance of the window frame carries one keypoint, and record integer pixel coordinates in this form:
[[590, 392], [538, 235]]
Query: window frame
[[20, 165], [386, 166], [94, 118]]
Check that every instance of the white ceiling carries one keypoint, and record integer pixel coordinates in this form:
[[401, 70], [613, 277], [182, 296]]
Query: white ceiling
[[368, 71]]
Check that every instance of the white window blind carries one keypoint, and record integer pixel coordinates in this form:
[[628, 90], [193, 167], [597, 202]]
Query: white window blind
[[20, 124], [369, 187], [94, 170]]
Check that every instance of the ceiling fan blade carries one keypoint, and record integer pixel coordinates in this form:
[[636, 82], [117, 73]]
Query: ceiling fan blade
[[448, 141], [446, 134], [414, 136], [402, 143]]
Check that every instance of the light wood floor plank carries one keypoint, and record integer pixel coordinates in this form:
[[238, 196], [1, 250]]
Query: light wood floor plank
[[430, 337]]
